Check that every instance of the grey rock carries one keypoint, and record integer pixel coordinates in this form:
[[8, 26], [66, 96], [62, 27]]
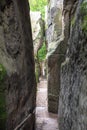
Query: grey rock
[[38, 32], [73, 92], [56, 52], [54, 20], [16, 55]]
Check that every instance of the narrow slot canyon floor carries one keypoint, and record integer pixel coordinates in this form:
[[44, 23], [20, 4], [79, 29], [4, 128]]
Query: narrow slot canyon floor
[[44, 119]]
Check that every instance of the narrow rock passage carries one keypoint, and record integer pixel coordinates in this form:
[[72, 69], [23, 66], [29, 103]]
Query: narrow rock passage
[[44, 119]]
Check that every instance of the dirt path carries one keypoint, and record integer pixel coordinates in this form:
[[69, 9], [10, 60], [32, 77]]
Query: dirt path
[[44, 119]]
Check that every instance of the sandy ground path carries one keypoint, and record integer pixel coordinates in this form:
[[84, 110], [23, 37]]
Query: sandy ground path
[[44, 119]]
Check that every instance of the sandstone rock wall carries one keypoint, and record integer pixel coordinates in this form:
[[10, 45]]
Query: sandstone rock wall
[[54, 19], [63, 12], [38, 32], [16, 55], [73, 93], [55, 52]]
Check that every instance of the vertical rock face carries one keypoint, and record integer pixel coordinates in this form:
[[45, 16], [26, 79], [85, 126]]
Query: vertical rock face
[[16, 55], [38, 31], [54, 20], [55, 52], [73, 92]]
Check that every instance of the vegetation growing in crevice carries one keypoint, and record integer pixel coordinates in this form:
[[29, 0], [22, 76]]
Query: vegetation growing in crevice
[[38, 59], [84, 16], [3, 114], [42, 53]]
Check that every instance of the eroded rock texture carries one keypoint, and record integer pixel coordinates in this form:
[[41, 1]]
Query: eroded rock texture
[[56, 52], [16, 55], [54, 20], [73, 93], [38, 32]]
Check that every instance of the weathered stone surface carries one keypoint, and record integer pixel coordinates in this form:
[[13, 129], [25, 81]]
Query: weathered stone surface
[[54, 20], [16, 55], [38, 32], [73, 93], [54, 63], [56, 52], [57, 45], [38, 29]]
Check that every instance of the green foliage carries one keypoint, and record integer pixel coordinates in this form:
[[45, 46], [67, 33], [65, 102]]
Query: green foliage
[[84, 16], [38, 5], [3, 114], [2, 72], [42, 52]]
